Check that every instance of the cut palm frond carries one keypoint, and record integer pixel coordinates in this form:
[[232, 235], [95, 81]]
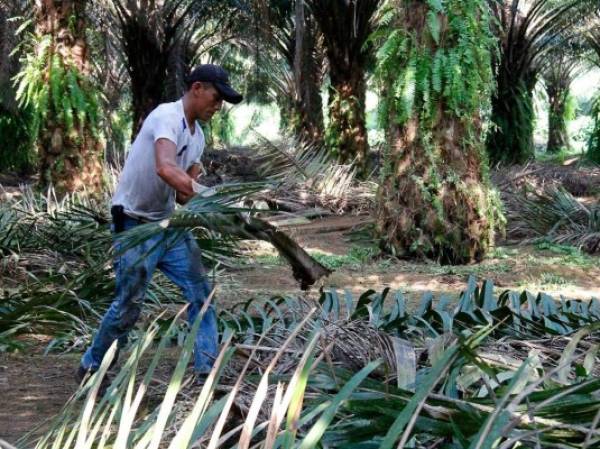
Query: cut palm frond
[[284, 358], [308, 168], [57, 254], [216, 214]]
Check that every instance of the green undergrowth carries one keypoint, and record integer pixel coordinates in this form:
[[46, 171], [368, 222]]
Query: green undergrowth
[[486, 267], [559, 157], [552, 279], [565, 255], [355, 258]]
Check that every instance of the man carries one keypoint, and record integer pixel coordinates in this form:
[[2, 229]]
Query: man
[[161, 168]]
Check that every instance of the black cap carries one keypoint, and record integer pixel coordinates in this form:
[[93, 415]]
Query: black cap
[[211, 73]]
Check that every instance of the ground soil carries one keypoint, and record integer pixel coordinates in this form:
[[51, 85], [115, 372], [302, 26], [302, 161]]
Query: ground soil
[[33, 388], [529, 268]]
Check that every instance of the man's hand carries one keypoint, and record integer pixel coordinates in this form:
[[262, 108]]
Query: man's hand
[[193, 172], [181, 198]]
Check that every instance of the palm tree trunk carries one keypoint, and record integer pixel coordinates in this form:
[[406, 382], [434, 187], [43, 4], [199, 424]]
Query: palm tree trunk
[[510, 140], [307, 77], [17, 151], [558, 135], [558, 77], [347, 131], [150, 38], [147, 66], [346, 26], [593, 151], [434, 200], [7, 44], [69, 148]]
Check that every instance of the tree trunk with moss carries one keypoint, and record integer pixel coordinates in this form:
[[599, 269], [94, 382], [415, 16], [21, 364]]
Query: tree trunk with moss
[[346, 27], [70, 150], [434, 200], [559, 74], [558, 135]]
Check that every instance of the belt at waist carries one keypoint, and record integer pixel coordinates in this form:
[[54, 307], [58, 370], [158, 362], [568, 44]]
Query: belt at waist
[[140, 219], [119, 217]]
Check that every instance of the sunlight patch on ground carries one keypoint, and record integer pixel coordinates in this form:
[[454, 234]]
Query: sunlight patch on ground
[[535, 268]]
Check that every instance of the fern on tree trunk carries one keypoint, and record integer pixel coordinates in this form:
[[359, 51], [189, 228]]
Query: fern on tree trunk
[[434, 199], [54, 83]]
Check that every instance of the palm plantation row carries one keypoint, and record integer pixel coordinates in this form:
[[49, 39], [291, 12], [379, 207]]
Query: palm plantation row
[[455, 97]]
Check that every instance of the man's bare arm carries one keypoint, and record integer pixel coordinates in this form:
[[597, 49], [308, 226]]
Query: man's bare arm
[[165, 153]]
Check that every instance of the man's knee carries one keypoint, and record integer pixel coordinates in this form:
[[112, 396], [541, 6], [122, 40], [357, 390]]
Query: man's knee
[[132, 292], [124, 313], [128, 318]]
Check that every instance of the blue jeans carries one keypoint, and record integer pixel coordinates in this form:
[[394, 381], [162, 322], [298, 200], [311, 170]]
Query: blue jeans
[[178, 257]]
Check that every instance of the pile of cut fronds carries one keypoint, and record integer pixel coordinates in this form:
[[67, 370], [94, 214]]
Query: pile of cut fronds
[[483, 371], [554, 214], [307, 174], [579, 180]]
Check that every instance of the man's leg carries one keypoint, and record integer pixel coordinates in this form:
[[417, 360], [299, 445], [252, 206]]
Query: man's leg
[[133, 271], [182, 264]]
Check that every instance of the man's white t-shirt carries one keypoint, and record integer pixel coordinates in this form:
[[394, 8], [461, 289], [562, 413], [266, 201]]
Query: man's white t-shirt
[[141, 192]]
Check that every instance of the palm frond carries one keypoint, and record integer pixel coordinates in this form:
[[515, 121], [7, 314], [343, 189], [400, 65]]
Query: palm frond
[[56, 265], [556, 215], [296, 162], [496, 382], [218, 214]]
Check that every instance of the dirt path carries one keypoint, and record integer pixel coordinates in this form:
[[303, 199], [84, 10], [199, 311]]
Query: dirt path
[[33, 388], [516, 267]]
